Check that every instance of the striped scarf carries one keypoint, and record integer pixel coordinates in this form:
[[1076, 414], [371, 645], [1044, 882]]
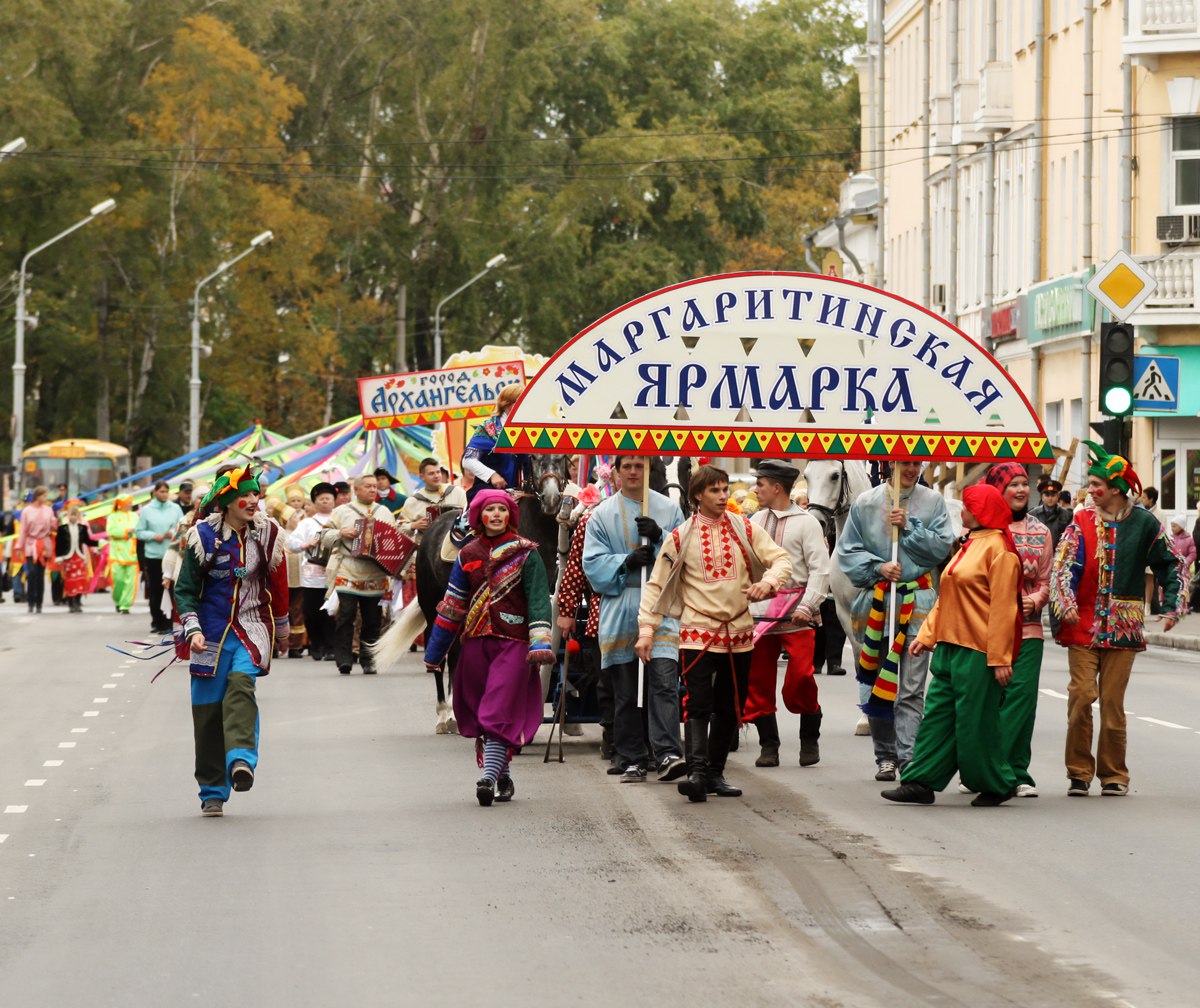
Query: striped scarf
[[884, 678]]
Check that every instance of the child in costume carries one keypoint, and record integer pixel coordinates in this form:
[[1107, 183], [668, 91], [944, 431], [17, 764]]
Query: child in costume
[[232, 598], [498, 601]]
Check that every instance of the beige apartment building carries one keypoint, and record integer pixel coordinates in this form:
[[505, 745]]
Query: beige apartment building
[[1011, 148]]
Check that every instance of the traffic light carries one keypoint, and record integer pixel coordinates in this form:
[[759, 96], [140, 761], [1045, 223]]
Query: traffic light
[[1116, 368]]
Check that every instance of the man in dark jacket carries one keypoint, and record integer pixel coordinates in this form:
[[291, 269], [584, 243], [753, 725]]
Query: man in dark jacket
[[1050, 513]]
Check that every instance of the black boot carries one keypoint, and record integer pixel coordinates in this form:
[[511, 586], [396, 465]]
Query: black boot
[[718, 751], [768, 740], [695, 743], [810, 732]]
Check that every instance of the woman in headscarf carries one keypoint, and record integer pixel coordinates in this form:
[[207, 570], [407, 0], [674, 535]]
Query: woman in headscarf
[[1035, 549], [232, 598], [122, 553], [974, 631], [498, 601]]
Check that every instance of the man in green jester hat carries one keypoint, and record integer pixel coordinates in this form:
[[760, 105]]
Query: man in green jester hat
[[232, 597], [1101, 609]]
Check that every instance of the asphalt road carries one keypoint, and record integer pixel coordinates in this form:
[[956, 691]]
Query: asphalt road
[[360, 870]]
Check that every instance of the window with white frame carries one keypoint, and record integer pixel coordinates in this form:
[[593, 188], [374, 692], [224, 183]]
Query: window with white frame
[[1185, 163]]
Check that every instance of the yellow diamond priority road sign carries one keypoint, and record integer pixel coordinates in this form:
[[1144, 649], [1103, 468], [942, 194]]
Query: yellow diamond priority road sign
[[1122, 285]]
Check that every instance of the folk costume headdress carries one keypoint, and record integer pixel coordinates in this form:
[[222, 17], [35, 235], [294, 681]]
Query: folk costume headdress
[[229, 486], [1114, 469]]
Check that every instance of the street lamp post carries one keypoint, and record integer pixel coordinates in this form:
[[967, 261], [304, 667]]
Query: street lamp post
[[12, 147], [18, 441], [194, 383], [437, 314]]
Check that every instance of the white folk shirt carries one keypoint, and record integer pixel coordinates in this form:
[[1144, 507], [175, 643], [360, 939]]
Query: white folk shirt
[[450, 496], [311, 575], [801, 537]]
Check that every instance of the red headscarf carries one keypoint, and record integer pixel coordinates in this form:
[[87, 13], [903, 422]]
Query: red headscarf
[[991, 510]]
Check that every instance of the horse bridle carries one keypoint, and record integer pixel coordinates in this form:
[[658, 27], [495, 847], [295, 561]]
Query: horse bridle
[[828, 516]]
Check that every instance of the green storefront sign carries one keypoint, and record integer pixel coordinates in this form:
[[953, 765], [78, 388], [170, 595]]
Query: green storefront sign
[[1059, 308]]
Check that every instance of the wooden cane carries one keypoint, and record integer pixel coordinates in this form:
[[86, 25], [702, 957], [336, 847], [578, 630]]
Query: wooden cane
[[560, 710]]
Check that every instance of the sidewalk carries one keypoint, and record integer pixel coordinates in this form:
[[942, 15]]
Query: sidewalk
[[1184, 637]]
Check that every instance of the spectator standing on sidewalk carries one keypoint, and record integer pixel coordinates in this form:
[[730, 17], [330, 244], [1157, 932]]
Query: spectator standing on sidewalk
[[157, 523], [1101, 610]]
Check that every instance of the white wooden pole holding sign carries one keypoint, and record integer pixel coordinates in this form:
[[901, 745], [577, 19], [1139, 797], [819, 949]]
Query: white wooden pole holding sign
[[776, 364]]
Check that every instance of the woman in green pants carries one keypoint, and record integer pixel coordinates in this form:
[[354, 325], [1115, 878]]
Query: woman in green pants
[[975, 633]]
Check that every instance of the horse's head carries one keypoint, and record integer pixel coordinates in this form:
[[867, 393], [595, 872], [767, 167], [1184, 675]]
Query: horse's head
[[829, 494], [547, 479]]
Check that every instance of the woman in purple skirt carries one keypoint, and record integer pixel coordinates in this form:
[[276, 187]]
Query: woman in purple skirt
[[498, 600]]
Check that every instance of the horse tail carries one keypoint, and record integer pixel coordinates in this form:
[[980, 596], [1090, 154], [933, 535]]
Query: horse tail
[[398, 638]]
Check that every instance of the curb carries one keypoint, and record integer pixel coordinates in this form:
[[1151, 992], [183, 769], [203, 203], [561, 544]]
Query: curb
[[1177, 642]]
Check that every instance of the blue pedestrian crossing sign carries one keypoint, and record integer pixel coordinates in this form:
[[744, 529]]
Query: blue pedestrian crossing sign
[[1155, 383]]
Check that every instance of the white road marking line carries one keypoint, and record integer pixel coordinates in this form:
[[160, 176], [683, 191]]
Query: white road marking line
[[78, 731], [67, 745], [53, 762], [99, 699], [15, 809], [3, 837], [1050, 692], [118, 675], [109, 685], [35, 783], [1165, 724], [91, 713]]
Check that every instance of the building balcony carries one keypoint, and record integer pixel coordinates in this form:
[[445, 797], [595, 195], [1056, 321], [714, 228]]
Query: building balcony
[[1175, 300], [1160, 27]]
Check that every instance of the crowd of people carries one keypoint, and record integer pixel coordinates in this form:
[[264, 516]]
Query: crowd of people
[[687, 617]]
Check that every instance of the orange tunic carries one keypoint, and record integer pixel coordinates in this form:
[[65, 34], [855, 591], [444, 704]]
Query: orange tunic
[[977, 602]]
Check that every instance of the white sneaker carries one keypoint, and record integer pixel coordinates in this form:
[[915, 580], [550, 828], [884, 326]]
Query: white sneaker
[[863, 727], [1026, 791]]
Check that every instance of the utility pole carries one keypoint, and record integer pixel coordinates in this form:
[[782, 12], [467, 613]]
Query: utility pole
[[401, 329]]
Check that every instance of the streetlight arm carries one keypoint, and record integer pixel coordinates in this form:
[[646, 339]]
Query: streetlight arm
[[437, 312], [58, 237]]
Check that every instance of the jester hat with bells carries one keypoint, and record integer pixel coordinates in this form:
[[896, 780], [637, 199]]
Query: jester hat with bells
[[1113, 469], [229, 486]]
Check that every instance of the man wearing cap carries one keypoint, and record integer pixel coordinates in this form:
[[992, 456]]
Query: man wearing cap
[[389, 497], [618, 543], [359, 581], [785, 622], [864, 551], [1049, 512], [1102, 611]]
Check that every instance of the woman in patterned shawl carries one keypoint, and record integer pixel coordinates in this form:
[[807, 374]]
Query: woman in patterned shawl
[[498, 601]]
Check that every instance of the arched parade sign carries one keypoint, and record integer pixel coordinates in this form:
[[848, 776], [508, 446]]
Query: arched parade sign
[[794, 364]]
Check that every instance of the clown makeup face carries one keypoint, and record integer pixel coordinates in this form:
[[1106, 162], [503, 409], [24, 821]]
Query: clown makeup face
[[1016, 494], [494, 518], [1106, 498], [242, 510]]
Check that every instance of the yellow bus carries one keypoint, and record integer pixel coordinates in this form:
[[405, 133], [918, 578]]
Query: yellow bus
[[83, 464]]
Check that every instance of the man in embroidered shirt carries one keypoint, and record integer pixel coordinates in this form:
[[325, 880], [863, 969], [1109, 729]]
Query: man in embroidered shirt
[[618, 543], [864, 551], [1101, 612], [708, 572], [358, 580], [787, 620]]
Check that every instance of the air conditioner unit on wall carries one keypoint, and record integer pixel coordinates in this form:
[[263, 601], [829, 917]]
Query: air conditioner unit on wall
[[937, 297], [1178, 229]]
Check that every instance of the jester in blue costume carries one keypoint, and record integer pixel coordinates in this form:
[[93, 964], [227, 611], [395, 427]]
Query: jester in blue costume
[[498, 601], [232, 598]]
